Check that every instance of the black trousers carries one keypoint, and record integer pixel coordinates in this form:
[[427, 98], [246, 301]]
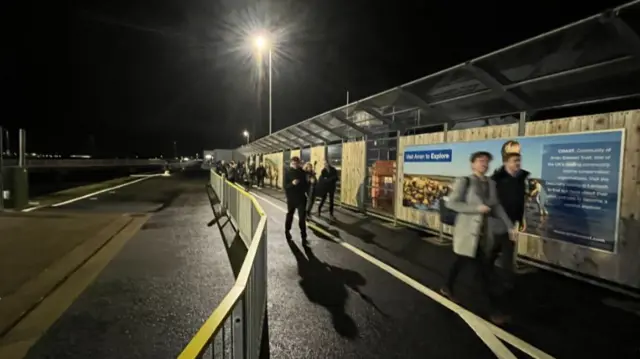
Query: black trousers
[[483, 271], [301, 207], [260, 181], [331, 193], [311, 199], [504, 248]]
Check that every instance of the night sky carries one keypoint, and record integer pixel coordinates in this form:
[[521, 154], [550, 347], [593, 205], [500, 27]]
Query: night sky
[[129, 77]]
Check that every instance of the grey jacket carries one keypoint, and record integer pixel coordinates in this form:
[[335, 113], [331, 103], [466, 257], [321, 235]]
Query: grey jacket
[[468, 224]]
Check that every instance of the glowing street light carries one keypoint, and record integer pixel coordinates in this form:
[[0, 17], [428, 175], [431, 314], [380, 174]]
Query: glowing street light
[[262, 43], [245, 133]]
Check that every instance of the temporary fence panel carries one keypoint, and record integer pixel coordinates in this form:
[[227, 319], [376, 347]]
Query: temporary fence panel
[[274, 163], [622, 265], [405, 185], [353, 173], [286, 162], [381, 175], [334, 156], [305, 154], [411, 185], [318, 157], [235, 328], [619, 265]]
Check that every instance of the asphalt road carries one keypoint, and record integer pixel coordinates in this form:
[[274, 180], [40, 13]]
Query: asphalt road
[[324, 301], [156, 293], [561, 316], [150, 195]]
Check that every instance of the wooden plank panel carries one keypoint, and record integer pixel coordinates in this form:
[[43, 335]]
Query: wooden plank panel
[[621, 267], [407, 214], [353, 176], [273, 163], [318, 157], [431, 220]]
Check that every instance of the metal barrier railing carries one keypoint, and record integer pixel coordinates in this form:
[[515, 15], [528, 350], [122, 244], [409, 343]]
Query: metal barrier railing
[[235, 328]]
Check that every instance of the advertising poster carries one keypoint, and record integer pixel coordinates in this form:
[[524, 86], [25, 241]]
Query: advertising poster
[[573, 186]]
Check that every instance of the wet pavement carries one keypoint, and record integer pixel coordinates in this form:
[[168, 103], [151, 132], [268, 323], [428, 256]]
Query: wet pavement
[[324, 300], [561, 316], [156, 293]]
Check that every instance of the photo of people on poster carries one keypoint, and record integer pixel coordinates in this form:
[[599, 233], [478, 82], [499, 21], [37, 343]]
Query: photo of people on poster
[[573, 185]]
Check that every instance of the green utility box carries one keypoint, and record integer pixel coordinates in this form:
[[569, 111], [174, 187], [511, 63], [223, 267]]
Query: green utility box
[[15, 181]]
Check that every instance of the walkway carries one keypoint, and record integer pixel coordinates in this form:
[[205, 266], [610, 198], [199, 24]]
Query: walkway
[[560, 316], [350, 294], [326, 302]]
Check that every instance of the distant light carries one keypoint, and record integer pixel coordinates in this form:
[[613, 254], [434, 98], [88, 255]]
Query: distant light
[[208, 157], [186, 159], [261, 42], [245, 133]]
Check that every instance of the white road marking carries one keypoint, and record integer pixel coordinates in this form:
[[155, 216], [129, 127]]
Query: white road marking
[[488, 332], [90, 194], [497, 347], [144, 175]]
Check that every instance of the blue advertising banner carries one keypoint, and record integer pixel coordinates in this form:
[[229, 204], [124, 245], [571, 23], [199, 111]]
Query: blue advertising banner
[[428, 156], [573, 186]]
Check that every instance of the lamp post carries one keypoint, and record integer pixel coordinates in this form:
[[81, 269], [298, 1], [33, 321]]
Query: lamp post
[[246, 135], [261, 44]]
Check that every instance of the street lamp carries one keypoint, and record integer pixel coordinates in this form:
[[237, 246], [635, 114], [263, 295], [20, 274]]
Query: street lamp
[[262, 43], [246, 135]]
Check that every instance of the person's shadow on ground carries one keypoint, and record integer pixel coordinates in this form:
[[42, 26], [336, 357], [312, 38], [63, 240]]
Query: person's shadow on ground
[[325, 285]]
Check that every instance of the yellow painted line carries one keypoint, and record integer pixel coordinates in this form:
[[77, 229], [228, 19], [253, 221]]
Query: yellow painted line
[[474, 321]]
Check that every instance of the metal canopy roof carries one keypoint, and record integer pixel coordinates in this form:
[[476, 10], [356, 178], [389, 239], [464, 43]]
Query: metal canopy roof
[[592, 60]]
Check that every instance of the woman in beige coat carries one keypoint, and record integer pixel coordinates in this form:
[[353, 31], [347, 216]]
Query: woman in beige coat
[[479, 217]]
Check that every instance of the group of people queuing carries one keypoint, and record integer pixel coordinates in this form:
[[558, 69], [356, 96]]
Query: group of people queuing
[[489, 213], [242, 173], [302, 187]]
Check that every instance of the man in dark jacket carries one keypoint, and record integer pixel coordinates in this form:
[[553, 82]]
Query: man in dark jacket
[[511, 185], [261, 173], [296, 186], [327, 184]]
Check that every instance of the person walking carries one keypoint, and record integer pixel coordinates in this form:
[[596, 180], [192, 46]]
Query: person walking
[[261, 173], [296, 187], [328, 183], [511, 185], [479, 217], [312, 181]]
